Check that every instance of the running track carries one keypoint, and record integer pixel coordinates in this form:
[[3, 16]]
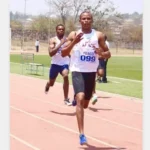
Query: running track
[[42, 122]]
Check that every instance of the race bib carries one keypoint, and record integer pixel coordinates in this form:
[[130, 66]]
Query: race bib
[[88, 56]]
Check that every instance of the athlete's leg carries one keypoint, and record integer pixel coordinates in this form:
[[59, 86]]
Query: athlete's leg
[[100, 70], [53, 73], [64, 73], [104, 79], [89, 82], [89, 86], [80, 98], [100, 73], [80, 111], [78, 85], [94, 96]]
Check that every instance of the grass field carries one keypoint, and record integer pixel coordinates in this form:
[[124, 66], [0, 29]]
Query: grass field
[[124, 74], [123, 67]]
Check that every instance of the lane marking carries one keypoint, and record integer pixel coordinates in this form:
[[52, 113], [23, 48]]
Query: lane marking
[[134, 99], [124, 110], [24, 142], [61, 126], [104, 119], [115, 82]]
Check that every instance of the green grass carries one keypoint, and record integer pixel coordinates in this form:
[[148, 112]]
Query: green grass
[[123, 67], [114, 85], [44, 59]]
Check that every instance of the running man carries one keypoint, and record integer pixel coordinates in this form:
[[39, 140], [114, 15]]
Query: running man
[[101, 73], [59, 64], [104, 78], [86, 44]]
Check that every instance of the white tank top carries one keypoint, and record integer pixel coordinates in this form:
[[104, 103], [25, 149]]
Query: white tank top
[[57, 58], [83, 57]]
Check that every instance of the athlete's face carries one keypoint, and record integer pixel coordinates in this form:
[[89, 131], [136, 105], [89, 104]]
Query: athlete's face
[[60, 31], [86, 20]]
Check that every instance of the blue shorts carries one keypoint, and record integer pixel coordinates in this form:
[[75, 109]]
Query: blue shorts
[[55, 69], [101, 64]]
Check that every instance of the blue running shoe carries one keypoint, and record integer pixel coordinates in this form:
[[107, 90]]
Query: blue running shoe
[[83, 139], [74, 102]]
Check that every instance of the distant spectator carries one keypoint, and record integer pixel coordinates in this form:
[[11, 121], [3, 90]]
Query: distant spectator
[[37, 43]]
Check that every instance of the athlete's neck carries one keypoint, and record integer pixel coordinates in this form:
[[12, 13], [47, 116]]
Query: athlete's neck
[[86, 31], [60, 37]]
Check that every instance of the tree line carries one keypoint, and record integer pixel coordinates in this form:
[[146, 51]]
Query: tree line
[[67, 13]]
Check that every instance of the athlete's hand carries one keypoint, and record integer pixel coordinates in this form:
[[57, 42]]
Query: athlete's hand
[[63, 40], [98, 51], [78, 38]]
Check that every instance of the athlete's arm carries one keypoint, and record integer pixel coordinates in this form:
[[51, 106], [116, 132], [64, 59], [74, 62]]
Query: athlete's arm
[[72, 40], [103, 51], [52, 49]]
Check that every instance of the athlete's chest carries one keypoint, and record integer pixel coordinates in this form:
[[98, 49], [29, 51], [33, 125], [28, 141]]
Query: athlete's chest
[[85, 50], [88, 42], [57, 42]]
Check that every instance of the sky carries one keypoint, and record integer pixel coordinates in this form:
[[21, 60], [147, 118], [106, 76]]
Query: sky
[[36, 7]]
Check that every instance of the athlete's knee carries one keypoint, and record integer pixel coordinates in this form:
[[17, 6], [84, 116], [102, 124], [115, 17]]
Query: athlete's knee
[[65, 73], [101, 72], [80, 99]]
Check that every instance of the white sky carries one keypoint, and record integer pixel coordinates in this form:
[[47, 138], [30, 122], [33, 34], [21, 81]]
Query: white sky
[[36, 7]]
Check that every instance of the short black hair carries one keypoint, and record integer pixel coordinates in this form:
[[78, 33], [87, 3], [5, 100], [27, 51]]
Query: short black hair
[[86, 11], [60, 25]]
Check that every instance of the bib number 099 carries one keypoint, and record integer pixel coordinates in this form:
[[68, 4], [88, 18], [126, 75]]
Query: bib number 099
[[87, 58]]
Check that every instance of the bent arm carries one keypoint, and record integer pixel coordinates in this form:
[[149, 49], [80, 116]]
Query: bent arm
[[52, 49], [104, 50], [68, 45]]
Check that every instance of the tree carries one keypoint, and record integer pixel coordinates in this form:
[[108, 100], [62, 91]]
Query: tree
[[78, 6], [40, 25], [16, 25], [132, 36], [101, 10], [66, 9], [61, 7]]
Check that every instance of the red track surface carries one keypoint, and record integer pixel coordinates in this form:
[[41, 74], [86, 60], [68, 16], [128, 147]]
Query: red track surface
[[43, 122]]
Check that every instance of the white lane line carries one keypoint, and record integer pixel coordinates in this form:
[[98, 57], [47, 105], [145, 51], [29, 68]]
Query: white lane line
[[132, 80], [24, 142], [115, 82], [124, 110], [61, 126], [134, 99], [104, 119]]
